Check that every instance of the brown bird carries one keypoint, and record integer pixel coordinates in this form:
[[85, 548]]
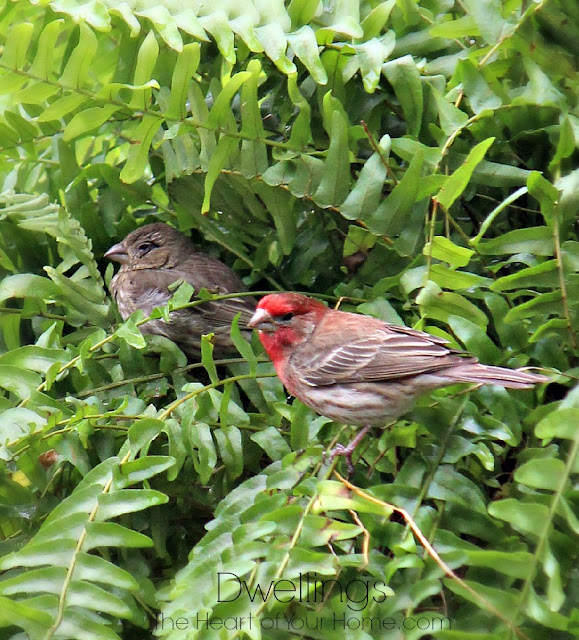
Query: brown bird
[[154, 257]]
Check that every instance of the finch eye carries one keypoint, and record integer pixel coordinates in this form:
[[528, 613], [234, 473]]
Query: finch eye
[[145, 247], [286, 317]]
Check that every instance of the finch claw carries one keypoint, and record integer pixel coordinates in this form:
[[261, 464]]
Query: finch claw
[[347, 451], [341, 450]]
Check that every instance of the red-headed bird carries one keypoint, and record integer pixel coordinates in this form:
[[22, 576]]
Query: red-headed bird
[[359, 370]]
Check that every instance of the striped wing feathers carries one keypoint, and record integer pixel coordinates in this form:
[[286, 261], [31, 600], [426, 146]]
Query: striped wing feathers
[[382, 352]]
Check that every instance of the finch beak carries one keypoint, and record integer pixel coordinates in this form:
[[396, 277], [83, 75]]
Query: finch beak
[[262, 320], [118, 253]]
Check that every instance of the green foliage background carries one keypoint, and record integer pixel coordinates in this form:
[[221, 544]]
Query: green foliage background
[[418, 160]]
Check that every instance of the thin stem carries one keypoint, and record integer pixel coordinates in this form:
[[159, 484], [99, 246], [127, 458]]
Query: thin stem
[[495, 212], [157, 376], [562, 284], [219, 383], [454, 135], [512, 206], [378, 149], [528, 13], [457, 227], [68, 429], [41, 314], [431, 238]]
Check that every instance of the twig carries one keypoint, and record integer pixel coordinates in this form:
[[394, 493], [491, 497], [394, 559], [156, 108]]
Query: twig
[[564, 296], [432, 553]]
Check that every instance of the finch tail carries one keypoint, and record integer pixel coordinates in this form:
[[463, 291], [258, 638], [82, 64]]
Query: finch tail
[[486, 374]]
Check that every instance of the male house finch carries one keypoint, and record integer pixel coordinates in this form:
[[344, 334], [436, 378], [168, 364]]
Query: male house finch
[[157, 255], [359, 370]]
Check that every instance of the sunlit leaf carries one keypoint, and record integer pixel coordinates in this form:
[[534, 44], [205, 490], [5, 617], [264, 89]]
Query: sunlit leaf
[[457, 182], [535, 240], [442, 248], [403, 75], [335, 182]]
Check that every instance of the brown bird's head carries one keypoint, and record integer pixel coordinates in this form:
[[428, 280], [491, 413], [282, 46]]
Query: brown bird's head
[[154, 246]]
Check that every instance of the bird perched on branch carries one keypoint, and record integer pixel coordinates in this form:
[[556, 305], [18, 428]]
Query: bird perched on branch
[[359, 370], [154, 257]]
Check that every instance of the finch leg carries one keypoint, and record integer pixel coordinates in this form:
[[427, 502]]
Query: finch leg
[[348, 450]]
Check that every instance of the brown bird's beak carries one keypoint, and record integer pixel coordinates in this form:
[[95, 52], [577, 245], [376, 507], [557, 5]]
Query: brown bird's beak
[[118, 253], [262, 320]]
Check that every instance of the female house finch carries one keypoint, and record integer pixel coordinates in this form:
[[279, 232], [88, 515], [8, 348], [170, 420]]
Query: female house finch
[[155, 256], [359, 370]]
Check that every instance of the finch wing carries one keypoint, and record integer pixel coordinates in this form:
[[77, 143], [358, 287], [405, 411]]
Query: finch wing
[[150, 289], [381, 352], [204, 271]]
